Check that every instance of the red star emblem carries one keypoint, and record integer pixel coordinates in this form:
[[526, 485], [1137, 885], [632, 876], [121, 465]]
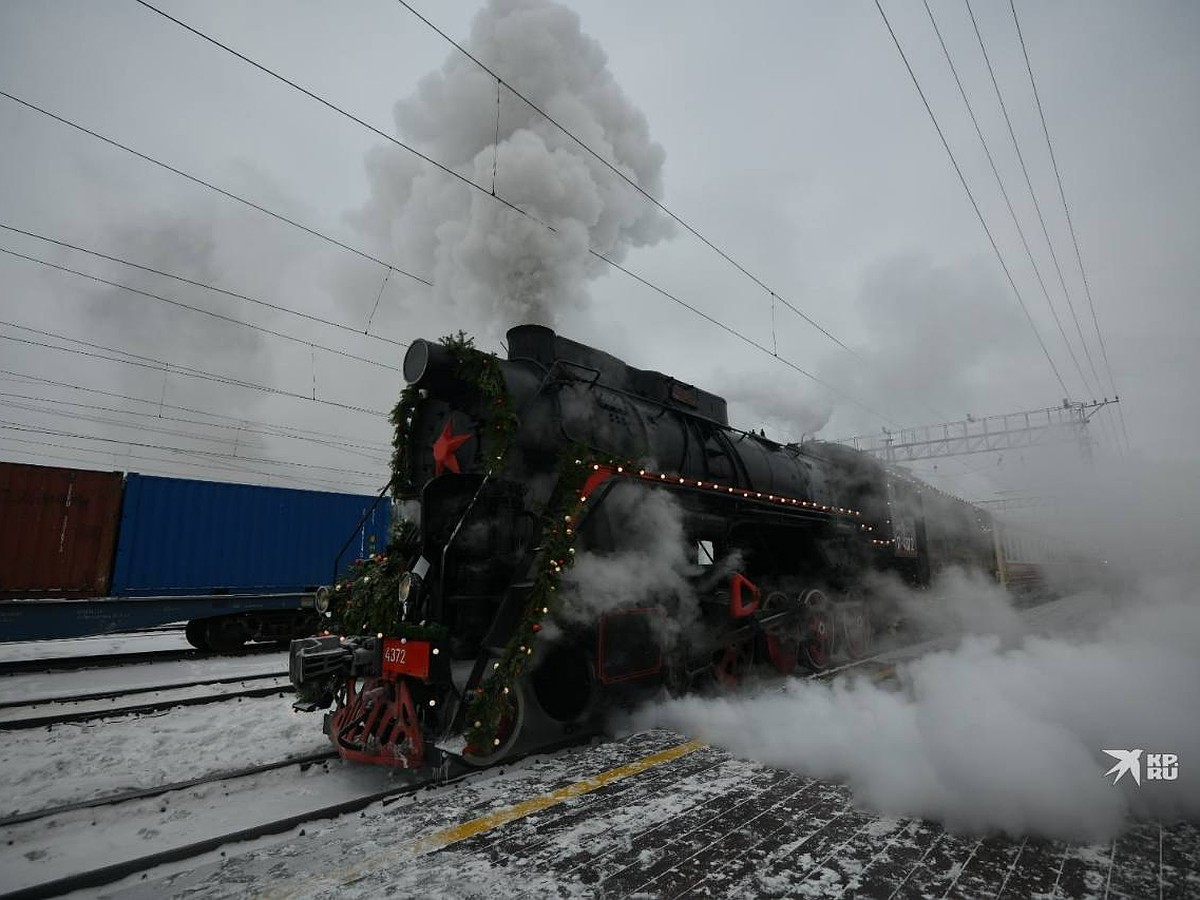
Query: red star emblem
[[444, 449]]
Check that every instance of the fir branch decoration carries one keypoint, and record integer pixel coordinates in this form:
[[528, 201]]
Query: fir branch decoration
[[364, 599], [498, 415], [401, 419], [567, 506]]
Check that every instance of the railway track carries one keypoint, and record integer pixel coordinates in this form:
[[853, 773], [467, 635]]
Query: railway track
[[50, 812], [67, 874], [15, 715], [107, 660]]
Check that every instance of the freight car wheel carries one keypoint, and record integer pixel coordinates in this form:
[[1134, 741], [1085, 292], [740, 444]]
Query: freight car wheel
[[816, 651], [511, 723], [196, 633], [226, 635]]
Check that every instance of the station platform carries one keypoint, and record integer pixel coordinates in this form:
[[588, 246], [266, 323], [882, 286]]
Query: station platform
[[657, 815]]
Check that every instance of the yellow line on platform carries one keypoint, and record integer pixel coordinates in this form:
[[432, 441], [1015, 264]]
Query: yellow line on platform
[[379, 861], [535, 804]]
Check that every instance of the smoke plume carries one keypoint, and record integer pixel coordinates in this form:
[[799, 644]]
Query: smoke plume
[[983, 738], [491, 264], [776, 406], [649, 562]]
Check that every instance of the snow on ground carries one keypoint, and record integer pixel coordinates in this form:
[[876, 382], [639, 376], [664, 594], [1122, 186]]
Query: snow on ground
[[97, 706], [49, 685], [357, 855], [380, 850], [85, 839], [66, 763], [98, 645]]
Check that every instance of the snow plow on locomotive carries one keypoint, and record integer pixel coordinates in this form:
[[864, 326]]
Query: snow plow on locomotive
[[472, 640]]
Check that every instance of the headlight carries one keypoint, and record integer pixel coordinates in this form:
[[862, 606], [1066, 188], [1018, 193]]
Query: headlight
[[410, 586], [322, 600]]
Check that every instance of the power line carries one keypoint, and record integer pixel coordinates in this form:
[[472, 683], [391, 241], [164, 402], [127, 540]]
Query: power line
[[219, 190], [166, 368], [387, 137], [971, 197], [1004, 191], [341, 446], [1036, 206], [165, 466], [1070, 225], [233, 441], [733, 331], [637, 187], [281, 430], [208, 287], [633, 184], [102, 420], [198, 309], [499, 199], [1000, 183], [19, 427]]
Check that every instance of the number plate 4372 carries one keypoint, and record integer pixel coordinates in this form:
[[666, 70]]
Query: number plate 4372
[[405, 658]]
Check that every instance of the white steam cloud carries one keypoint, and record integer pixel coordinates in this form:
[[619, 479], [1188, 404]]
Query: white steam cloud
[[490, 262], [960, 602], [983, 738], [775, 405], [650, 561]]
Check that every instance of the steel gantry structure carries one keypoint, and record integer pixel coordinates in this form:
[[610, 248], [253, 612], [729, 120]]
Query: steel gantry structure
[[1010, 431]]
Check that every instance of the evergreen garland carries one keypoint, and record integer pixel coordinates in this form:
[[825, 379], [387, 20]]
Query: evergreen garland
[[364, 598], [401, 419], [482, 371], [487, 709], [364, 601]]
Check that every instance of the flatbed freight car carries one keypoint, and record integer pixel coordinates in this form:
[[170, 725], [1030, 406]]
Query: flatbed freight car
[[85, 552]]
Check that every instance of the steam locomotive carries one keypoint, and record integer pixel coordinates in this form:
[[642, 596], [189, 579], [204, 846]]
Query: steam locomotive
[[472, 639]]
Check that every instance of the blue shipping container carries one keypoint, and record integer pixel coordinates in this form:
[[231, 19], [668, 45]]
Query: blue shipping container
[[181, 536]]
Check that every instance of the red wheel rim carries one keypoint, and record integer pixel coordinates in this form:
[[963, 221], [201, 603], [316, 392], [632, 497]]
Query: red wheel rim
[[729, 666], [781, 657], [858, 633], [819, 631], [819, 646]]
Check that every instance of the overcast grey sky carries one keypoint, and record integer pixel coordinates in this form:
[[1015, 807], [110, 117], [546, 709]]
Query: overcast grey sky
[[791, 136]]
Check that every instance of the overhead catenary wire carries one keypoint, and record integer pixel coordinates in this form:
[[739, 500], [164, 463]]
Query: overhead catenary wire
[[233, 440], [655, 201], [319, 99], [457, 176], [22, 428], [970, 196], [164, 466], [220, 190], [268, 428], [616, 171], [199, 309], [217, 290], [164, 367], [1037, 207], [1070, 223], [377, 455], [1004, 191]]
